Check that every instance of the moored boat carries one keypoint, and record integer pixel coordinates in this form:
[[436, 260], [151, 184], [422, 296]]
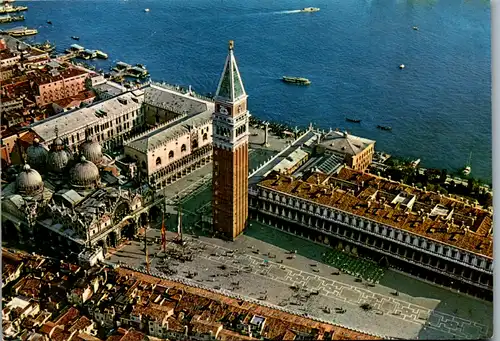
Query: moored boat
[[46, 46], [101, 55], [12, 9], [87, 54], [467, 169], [75, 48], [21, 31], [7, 18], [296, 80]]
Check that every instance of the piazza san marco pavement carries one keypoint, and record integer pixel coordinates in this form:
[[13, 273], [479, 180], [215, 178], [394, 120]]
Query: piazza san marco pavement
[[394, 316]]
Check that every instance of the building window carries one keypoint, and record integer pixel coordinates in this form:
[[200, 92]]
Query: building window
[[158, 161], [183, 148], [171, 154], [205, 137]]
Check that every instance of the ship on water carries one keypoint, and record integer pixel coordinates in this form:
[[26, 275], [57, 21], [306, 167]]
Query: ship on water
[[310, 9], [21, 31], [75, 48], [101, 55], [12, 9], [296, 80], [87, 54], [467, 169], [46, 46], [8, 18]]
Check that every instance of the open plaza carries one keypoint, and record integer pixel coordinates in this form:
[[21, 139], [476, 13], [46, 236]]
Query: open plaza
[[300, 275]]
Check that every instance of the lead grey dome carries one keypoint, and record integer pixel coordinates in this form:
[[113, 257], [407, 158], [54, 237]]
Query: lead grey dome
[[29, 181], [57, 160], [92, 151], [84, 174], [37, 155]]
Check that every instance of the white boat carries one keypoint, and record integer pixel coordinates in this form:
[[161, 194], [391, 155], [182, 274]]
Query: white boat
[[402, 66], [310, 9], [146, 10], [467, 169], [21, 32]]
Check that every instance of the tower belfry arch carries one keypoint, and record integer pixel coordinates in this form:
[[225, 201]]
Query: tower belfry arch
[[230, 154]]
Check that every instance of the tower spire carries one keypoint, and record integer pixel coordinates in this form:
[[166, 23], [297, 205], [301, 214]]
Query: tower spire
[[230, 88]]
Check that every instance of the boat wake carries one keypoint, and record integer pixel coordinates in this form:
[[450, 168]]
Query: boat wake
[[288, 12]]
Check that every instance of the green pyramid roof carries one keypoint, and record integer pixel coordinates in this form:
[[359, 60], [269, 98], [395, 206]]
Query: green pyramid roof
[[230, 86]]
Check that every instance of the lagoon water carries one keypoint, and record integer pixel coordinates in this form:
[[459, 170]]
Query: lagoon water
[[439, 106]]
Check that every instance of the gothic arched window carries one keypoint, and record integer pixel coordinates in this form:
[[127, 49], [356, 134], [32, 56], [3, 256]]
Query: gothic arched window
[[171, 154], [158, 161], [183, 148], [205, 137]]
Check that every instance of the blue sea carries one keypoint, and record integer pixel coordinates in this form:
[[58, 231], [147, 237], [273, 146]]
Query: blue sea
[[439, 106]]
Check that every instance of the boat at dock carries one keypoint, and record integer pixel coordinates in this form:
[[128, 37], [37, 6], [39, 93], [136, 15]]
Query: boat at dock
[[46, 46], [296, 80], [101, 55], [353, 120], [87, 54], [21, 32], [75, 48], [310, 9], [384, 127], [7, 18], [467, 169], [137, 72], [121, 66], [12, 9]]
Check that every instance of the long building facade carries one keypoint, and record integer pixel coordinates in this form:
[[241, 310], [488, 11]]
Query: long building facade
[[426, 234], [230, 140]]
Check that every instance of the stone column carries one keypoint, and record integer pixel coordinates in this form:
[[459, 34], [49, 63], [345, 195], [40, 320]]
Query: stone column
[[266, 135]]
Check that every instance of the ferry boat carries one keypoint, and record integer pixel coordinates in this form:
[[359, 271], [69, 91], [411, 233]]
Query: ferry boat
[[296, 80], [101, 55], [353, 120], [12, 9], [87, 54], [21, 32], [310, 9], [7, 18], [121, 66], [138, 72], [75, 48], [384, 127], [46, 46], [75, 38]]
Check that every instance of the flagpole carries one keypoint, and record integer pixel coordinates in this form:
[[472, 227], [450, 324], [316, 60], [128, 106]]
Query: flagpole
[[163, 233], [146, 251]]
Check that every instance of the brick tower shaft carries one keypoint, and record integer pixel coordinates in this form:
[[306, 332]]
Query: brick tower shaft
[[230, 158]]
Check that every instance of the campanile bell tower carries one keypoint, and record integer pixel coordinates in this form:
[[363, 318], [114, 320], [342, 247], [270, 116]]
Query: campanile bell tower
[[230, 152]]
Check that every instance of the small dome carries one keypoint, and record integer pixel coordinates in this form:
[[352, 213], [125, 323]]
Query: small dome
[[92, 151], [84, 174], [29, 181], [57, 160], [37, 155]]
